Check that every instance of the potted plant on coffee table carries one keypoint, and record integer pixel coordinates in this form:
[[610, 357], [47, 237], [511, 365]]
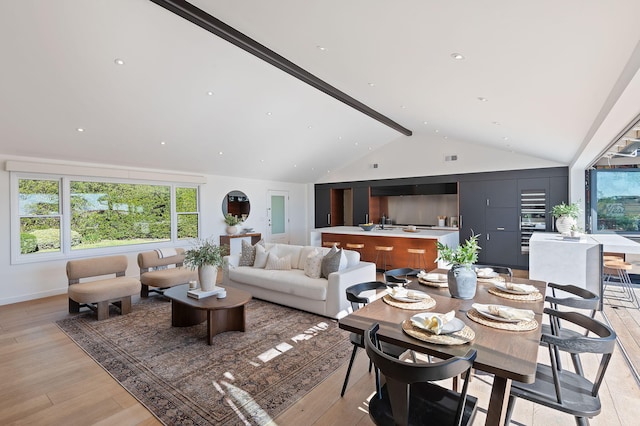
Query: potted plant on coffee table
[[206, 256], [232, 223], [461, 277], [566, 216]]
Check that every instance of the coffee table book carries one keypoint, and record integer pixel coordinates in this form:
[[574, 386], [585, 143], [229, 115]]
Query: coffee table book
[[199, 294]]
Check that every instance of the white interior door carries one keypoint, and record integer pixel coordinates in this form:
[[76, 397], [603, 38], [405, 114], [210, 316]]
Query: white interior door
[[278, 216]]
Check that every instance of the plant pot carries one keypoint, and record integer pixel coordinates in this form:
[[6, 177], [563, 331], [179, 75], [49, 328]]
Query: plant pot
[[565, 223], [462, 282], [207, 274], [232, 230]]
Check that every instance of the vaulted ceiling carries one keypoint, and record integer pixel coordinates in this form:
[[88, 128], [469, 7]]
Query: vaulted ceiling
[[534, 78]]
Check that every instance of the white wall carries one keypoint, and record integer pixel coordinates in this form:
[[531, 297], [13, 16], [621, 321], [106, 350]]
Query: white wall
[[35, 280]]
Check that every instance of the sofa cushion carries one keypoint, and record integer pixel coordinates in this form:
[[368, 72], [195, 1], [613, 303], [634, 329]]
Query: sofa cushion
[[333, 261], [248, 256], [293, 282], [293, 251], [313, 264], [261, 256], [278, 263]]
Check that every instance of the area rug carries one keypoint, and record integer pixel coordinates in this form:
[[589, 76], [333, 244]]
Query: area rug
[[244, 378]]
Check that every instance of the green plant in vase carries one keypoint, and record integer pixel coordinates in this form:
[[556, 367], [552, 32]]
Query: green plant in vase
[[232, 223], [566, 216], [461, 277], [206, 256]]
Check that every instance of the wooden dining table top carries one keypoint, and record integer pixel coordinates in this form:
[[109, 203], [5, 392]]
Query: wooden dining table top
[[509, 354]]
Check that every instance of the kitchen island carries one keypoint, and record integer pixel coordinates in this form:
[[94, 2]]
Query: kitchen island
[[398, 237]]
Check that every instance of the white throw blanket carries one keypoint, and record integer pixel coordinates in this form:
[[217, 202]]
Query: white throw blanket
[[506, 312], [166, 252]]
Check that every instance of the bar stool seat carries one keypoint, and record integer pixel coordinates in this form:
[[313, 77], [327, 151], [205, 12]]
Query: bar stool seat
[[418, 260], [620, 270], [386, 256]]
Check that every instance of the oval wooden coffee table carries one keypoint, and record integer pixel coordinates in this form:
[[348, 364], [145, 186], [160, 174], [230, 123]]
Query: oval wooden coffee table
[[222, 315]]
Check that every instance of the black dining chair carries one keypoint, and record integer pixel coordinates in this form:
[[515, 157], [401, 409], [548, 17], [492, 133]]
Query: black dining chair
[[578, 298], [399, 276], [563, 390], [358, 300], [410, 398]]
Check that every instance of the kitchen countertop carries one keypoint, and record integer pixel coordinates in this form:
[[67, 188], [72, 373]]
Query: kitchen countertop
[[390, 231]]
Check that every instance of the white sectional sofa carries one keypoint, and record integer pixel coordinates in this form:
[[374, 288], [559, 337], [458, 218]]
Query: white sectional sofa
[[293, 287]]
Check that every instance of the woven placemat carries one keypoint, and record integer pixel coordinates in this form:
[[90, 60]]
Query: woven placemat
[[510, 326], [423, 305], [531, 297], [458, 338], [433, 283]]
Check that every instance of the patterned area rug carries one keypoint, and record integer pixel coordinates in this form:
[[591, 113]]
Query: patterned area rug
[[243, 378]]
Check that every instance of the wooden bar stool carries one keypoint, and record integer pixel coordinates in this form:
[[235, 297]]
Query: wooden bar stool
[[331, 244], [386, 256], [620, 270], [355, 247], [417, 258]]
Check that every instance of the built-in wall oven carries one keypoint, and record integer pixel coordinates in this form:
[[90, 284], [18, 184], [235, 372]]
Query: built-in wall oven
[[533, 213]]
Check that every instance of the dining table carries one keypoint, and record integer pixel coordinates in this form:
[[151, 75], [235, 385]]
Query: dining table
[[505, 353]]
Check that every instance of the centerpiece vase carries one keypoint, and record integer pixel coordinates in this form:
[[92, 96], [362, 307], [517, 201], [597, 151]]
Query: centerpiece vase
[[565, 223], [207, 274], [232, 229], [462, 282]]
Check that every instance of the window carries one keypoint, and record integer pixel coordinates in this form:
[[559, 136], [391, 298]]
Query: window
[[616, 200], [66, 215]]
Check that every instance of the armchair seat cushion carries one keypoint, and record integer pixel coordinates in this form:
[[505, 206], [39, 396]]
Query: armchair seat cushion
[[106, 289], [169, 277]]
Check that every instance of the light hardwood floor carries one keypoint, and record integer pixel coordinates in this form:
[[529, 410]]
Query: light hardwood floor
[[48, 380]]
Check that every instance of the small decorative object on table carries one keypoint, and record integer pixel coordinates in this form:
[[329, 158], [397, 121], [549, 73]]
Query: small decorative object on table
[[206, 256], [461, 277], [367, 226], [566, 216], [232, 223]]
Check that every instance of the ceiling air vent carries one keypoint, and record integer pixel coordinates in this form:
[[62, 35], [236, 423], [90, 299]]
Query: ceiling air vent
[[450, 158]]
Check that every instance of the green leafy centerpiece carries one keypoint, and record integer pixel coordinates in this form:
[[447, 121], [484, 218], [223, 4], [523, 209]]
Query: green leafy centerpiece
[[207, 257], [566, 216], [232, 223], [461, 277]]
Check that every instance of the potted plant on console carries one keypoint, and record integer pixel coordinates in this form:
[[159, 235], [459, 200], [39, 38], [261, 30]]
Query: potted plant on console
[[206, 256], [461, 277], [232, 223], [566, 216]]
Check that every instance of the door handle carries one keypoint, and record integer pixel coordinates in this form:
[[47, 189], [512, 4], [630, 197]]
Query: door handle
[[488, 237], [366, 218], [328, 218], [460, 222], [500, 228]]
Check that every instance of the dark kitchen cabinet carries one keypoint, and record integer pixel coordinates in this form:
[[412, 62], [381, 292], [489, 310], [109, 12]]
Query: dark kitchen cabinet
[[360, 196], [323, 207], [472, 204]]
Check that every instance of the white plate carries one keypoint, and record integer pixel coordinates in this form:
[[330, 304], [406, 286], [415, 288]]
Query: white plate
[[436, 278], [503, 287], [451, 327], [410, 299], [496, 317]]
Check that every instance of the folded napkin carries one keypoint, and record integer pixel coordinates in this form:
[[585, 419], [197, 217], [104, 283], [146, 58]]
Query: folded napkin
[[506, 312], [523, 288], [435, 322], [406, 293]]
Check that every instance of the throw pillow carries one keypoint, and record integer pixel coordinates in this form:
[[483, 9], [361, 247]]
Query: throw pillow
[[248, 255], [278, 263], [333, 261], [261, 256], [313, 264]]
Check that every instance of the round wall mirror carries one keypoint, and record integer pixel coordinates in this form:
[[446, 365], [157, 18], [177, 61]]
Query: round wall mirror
[[236, 203]]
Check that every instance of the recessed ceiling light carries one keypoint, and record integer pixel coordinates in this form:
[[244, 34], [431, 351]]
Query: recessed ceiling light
[[481, 99], [295, 165], [457, 56], [80, 129], [118, 61], [505, 138], [425, 122], [163, 143], [220, 153], [262, 161], [403, 107], [371, 84], [437, 131], [309, 127], [339, 138], [497, 123], [446, 137], [210, 93], [355, 143], [269, 113], [321, 48], [370, 149]]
